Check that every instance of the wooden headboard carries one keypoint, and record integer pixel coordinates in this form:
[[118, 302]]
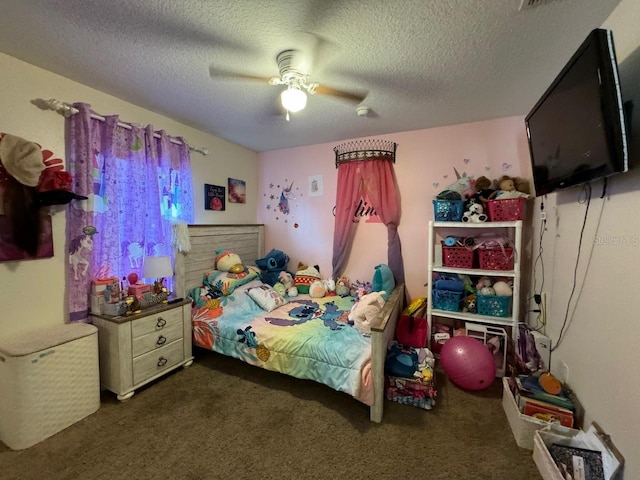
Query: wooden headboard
[[245, 240]]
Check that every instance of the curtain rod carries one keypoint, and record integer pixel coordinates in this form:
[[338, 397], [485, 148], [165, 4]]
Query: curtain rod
[[66, 110]]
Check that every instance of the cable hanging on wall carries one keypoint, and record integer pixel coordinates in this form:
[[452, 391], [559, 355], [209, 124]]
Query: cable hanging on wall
[[368, 149], [66, 110]]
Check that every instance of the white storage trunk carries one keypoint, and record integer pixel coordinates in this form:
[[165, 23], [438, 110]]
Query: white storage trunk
[[49, 380]]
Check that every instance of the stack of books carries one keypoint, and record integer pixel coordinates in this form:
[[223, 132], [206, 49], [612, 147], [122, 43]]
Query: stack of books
[[534, 401]]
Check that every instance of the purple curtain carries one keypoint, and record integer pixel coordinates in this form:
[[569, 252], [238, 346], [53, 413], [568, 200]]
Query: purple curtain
[[137, 185], [376, 179]]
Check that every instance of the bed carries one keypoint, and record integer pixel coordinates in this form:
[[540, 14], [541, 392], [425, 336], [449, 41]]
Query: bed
[[307, 337]]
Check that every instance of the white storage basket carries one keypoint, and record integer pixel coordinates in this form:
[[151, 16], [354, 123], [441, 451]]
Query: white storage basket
[[49, 380], [524, 426]]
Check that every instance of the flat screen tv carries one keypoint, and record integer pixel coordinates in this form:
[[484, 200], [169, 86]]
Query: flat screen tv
[[576, 131]]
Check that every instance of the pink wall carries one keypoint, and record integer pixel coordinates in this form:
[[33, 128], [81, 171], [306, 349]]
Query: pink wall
[[424, 165]]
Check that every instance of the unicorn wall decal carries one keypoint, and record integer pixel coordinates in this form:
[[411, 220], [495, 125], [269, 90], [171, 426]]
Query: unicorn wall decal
[[285, 196], [76, 246]]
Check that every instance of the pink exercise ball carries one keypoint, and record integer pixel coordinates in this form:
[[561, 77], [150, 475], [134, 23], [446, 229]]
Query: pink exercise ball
[[468, 363]]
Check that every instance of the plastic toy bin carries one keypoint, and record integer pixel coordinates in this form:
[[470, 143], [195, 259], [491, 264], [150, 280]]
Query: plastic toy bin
[[506, 210], [448, 210], [457, 257], [50, 380]]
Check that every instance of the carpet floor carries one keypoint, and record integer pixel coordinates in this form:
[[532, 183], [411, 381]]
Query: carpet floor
[[221, 418]]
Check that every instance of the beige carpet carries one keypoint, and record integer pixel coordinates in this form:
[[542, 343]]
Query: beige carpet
[[221, 418]]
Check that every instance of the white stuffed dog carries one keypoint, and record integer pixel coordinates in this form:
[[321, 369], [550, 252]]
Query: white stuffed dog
[[365, 311]]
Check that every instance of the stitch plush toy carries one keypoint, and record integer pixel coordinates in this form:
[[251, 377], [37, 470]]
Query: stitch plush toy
[[364, 312], [275, 262]]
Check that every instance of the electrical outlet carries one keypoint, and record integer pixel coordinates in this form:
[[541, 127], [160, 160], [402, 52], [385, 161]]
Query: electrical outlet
[[565, 372]]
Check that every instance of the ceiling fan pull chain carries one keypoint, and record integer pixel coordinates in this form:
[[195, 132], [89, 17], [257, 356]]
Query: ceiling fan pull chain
[[287, 117]]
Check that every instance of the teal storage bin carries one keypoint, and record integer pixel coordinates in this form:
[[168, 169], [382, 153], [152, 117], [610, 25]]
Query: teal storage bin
[[448, 210], [494, 306]]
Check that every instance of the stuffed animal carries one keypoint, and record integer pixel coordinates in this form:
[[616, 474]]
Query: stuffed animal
[[365, 311], [459, 189], [317, 289], [475, 214], [280, 288], [287, 281], [484, 190], [342, 287], [503, 289], [507, 189], [330, 286], [305, 276], [226, 260], [275, 262], [470, 304]]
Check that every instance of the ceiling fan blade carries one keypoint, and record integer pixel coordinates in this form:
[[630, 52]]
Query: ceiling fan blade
[[316, 50], [224, 75], [332, 92]]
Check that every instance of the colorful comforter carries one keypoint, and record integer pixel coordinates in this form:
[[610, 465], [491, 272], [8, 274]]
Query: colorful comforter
[[307, 338]]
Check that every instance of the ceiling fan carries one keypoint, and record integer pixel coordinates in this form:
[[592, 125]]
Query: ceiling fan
[[294, 66]]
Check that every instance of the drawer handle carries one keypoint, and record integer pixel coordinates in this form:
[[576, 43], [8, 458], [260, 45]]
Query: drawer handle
[[161, 322], [161, 340], [162, 362]]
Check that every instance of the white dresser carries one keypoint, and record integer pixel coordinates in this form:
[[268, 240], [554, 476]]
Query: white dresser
[[136, 349]]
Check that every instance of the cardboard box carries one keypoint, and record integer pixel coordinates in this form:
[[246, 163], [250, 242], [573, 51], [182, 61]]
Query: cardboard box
[[592, 439], [523, 426], [138, 290]]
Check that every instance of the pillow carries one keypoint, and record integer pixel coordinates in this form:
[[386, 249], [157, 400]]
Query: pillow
[[228, 282], [383, 280], [266, 297]]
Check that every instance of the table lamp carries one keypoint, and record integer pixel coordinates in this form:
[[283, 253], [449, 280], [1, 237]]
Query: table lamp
[[158, 268]]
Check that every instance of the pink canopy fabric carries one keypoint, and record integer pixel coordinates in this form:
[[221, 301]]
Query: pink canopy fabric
[[375, 178]]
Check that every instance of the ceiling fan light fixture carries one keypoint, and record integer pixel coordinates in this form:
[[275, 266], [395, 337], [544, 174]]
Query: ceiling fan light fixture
[[293, 99]]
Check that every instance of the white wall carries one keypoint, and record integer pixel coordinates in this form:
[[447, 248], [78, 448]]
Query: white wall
[[600, 344], [32, 291]]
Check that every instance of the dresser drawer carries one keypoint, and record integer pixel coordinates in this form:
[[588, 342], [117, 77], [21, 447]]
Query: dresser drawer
[[150, 364], [153, 341], [156, 322]]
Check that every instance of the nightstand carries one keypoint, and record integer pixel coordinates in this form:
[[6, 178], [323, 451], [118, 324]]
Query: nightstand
[[136, 349]]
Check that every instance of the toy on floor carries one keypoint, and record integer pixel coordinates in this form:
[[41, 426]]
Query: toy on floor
[[468, 363]]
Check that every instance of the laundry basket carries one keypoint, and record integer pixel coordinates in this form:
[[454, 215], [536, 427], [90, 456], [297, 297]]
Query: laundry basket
[[49, 380]]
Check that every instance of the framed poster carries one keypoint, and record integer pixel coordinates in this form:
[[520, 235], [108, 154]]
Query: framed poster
[[316, 187], [214, 197], [237, 191], [9, 251]]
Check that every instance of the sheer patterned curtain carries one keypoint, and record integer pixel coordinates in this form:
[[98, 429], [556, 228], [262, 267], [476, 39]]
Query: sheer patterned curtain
[[374, 178], [137, 184]]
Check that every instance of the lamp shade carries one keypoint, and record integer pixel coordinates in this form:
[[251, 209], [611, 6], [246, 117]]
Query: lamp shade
[[293, 99], [157, 267]]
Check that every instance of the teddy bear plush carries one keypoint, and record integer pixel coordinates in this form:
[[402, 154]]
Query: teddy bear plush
[[474, 214], [364, 312]]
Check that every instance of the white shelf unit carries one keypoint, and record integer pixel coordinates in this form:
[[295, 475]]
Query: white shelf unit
[[514, 231]]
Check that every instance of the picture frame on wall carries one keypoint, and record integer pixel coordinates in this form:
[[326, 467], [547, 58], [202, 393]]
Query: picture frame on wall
[[214, 197], [237, 191], [316, 186]]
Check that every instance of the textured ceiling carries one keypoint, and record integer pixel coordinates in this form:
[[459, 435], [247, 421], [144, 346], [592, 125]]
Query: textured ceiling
[[423, 63]]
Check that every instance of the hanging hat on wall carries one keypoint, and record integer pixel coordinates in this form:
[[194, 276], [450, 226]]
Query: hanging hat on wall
[[55, 188], [21, 159]]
